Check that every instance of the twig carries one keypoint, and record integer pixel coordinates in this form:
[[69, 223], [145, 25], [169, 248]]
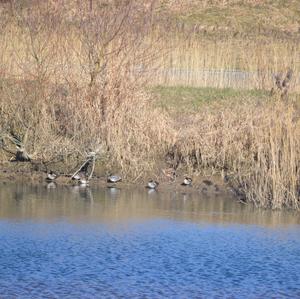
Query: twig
[[78, 170], [137, 177], [90, 158], [93, 167]]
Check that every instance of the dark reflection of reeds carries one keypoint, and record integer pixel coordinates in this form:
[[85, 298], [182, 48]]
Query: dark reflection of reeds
[[20, 201]]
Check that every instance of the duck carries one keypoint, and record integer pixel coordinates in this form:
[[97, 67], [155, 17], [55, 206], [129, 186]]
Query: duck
[[187, 181], [76, 177], [152, 184], [51, 176], [114, 179], [83, 182]]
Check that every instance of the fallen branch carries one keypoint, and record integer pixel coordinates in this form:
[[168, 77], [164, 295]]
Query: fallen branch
[[91, 158]]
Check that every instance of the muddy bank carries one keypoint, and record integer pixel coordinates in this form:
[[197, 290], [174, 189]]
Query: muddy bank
[[28, 173]]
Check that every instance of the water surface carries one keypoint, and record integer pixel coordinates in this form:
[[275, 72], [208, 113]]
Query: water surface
[[111, 243]]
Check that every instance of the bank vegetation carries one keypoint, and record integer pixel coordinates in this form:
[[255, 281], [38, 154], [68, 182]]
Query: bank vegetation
[[75, 77]]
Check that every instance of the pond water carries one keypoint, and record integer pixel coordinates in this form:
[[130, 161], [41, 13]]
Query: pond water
[[67, 242]]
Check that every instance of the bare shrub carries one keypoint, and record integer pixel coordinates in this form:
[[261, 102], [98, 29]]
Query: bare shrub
[[74, 85], [72, 81]]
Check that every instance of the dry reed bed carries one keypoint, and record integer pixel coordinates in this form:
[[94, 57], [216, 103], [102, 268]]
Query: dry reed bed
[[67, 85], [208, 38], [64, 93], [254, 145], [182, 56], [232, 62]]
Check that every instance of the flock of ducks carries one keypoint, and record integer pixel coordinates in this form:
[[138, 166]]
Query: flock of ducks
[[112, 179]]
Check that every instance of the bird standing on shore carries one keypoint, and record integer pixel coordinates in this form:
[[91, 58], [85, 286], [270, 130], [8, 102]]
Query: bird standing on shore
[[81, 179], [51, 176], [187, 181], [114, 179], [76, 177], [83, 182], [152, 184]]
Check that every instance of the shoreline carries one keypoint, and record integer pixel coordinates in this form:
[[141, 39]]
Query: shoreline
[[211, 186]]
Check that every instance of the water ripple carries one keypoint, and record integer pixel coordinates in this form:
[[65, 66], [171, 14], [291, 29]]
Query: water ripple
[[58, 244], [151, 259]]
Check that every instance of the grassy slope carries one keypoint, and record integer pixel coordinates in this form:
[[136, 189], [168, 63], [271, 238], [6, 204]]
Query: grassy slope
[[277, 17]]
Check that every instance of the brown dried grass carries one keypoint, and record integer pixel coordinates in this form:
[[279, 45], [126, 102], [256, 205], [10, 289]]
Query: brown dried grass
[[254, 145], [65, 92], [68, 85]]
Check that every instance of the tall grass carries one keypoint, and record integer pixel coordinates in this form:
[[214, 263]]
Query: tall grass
[[71, 82], [254, 144], [241, 63], [67, 85], [237, 44]]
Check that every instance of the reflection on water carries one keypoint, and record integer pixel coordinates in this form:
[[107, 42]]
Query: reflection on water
[[116, 205], [74, 242]]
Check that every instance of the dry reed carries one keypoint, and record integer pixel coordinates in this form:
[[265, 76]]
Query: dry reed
[[254, 145], [241, 63], [69, 85]]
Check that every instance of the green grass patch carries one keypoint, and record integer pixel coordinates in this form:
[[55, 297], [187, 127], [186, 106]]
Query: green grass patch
[[190, 99]]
